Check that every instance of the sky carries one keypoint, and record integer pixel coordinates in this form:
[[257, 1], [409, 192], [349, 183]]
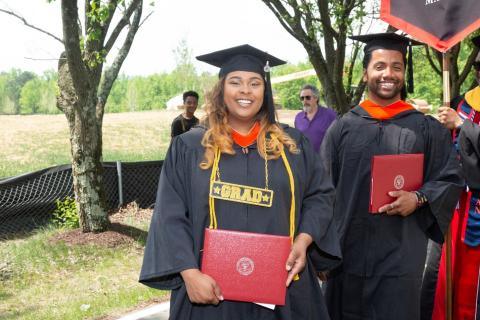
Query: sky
[[206, 25]]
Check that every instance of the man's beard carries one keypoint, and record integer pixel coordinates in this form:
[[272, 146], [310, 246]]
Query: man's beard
[[375, 88], [307, 109]]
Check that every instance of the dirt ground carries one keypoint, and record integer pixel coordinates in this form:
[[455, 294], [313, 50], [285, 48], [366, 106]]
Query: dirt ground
[[119, 233]]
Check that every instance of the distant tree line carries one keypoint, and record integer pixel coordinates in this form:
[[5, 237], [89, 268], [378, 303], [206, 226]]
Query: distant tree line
[[24, 92]]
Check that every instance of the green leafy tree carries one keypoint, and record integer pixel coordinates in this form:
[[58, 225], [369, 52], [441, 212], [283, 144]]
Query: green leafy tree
[[39, 95], [322, 28], [206, 81], [4, 101], [117, 99], [16, 79], [49, 93], [84, 87], [132, 96], [31, 96], [286, 93], [184, 70], [461, 59]]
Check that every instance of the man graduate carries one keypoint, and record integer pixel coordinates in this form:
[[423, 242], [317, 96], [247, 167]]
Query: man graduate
[[384, 253]]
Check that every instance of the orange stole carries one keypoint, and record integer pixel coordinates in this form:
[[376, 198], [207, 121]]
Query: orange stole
[[387, 112], [246, 140]]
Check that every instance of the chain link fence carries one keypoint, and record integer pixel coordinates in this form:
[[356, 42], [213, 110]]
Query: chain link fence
[[28, 201]]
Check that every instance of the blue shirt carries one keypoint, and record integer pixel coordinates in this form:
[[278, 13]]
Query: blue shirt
[[315, 129]]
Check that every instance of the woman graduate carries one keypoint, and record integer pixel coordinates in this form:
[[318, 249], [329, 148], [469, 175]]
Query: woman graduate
[[241, 144]]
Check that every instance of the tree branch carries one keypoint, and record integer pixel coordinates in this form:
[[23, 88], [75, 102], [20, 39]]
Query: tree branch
[[124, 21], [77, 69], [430, 61], [325, 19], [112, 6], [356, 49], [330, 35], [30, 25], [112, 72], [468, 65], [454, 74], [359, 91], [146, 18], [87, 9], [283, 16]]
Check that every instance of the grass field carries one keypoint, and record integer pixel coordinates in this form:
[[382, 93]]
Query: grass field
[[44, 276], [30, 143], [45, 279]]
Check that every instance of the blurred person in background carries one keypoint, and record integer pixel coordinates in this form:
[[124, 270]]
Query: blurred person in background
[[187, 119], [315, 119]]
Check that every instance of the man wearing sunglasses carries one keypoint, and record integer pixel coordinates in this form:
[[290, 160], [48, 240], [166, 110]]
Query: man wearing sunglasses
[[463, 118], [314, 120]]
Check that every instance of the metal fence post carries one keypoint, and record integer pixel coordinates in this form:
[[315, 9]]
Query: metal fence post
[[120, 190]]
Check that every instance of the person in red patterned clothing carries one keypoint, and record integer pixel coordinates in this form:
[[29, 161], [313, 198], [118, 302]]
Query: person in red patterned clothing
[[463, 118]]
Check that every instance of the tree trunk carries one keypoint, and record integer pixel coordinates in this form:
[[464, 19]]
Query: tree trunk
[[83, 92], [86, 150]]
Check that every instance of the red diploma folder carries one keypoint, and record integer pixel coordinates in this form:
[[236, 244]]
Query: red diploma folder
[[247, 266], [394, 172]]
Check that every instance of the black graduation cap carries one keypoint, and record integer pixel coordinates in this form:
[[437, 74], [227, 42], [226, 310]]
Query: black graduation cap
[[246, 58], [390, 41]]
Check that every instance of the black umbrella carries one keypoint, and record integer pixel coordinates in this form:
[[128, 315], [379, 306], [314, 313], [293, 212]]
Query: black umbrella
[[439, 23]]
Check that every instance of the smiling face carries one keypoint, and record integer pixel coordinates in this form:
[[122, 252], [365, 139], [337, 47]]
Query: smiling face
[[190, 104], [243, 95], [385, 76]]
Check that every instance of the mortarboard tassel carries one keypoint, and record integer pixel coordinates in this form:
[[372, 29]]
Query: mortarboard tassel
[[269, 95], [410, 69]]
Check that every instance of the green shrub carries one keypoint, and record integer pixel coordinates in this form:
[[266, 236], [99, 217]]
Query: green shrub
[[65, 215]]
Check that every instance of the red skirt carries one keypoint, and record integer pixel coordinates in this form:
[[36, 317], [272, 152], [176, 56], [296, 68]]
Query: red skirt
[[465, 270]]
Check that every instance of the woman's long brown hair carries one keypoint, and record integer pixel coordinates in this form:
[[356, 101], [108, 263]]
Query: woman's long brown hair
[[219, 132]]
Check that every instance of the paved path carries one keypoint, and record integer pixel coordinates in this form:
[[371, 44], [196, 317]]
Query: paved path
[[155, 312]]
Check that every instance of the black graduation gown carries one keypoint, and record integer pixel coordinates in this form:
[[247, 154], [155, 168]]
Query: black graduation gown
[[469, 148], [181, 215], [384, 256]]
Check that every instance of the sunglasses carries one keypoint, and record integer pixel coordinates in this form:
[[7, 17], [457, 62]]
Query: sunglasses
[[305, 98], [476, 66]]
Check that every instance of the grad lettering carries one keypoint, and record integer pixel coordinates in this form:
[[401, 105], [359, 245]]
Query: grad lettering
[[241, 193]]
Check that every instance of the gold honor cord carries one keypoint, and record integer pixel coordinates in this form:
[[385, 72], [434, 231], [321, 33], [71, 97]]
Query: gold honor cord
[[211, 200], [238, 192], [234, 192], [292, 204]]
